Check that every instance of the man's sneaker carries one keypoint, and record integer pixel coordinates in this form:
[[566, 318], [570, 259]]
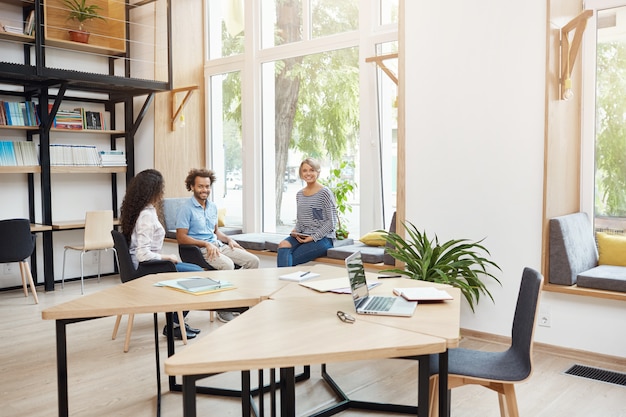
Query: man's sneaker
[[226, 316], [178, 335], [191, 329]]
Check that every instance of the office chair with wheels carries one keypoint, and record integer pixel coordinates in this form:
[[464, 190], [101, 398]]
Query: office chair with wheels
[[128, 272], [498, 371], [17, 243], [98, 225]]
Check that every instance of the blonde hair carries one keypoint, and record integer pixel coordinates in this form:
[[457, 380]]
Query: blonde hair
[[312, 163]]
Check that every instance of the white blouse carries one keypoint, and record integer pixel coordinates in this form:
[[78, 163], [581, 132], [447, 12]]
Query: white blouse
[[146, 241]]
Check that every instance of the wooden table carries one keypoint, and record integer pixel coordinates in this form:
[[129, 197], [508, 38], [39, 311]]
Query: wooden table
[[141, 296], [300, 327]]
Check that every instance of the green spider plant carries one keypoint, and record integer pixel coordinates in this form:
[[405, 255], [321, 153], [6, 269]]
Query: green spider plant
[[459, 262]]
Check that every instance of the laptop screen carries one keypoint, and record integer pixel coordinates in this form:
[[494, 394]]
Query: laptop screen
[[356, 275]]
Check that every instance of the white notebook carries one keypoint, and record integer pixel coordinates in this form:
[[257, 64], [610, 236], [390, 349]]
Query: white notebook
[[299, 276]]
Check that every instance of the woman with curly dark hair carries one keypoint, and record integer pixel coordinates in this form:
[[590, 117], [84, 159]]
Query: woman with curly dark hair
[[144, 231]]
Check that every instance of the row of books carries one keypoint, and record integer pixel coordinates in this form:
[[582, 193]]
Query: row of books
[[79, 119], [27, 29], [84, 155], [25, 153], [26, 113], [18, 153], [14, 113]]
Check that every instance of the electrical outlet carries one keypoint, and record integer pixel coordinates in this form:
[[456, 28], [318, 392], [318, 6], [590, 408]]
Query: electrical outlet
[[8, 269], [94, 257], [545, 318]]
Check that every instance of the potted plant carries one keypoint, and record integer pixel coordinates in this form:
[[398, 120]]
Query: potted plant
[[81, 12], [459, 262], [342, 185]]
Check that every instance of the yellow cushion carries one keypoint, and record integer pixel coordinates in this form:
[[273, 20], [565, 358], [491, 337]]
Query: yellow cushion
[[374, 238], [611, 249], [221, 217]]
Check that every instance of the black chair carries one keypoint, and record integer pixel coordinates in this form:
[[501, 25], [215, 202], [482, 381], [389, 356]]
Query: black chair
[[498, 371], [17, 243], [128, 272], [193, 255]]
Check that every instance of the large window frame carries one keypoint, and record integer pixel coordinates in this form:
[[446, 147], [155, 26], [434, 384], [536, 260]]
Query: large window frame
[[250, 64]]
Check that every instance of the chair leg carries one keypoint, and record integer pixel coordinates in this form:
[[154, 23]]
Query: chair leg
[[211, 316], [509, 401], [63, 270], [433, 389], [181, 322], [129, 329], [25, 272], [116, 327], [24, 287]]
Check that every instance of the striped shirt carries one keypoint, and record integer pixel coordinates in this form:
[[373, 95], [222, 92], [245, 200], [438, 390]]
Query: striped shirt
[[317, 214]]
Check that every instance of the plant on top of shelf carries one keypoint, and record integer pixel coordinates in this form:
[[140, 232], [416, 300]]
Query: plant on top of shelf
[[82, 12]]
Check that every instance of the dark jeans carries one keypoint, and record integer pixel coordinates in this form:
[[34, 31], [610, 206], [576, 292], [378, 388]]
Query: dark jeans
[[300, 253]]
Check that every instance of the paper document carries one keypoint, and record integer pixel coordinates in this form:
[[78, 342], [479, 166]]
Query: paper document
[[299, 276], [422, 294], [336, 285]]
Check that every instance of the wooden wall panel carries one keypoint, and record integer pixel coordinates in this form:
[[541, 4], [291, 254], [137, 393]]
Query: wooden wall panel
[[184, 148]]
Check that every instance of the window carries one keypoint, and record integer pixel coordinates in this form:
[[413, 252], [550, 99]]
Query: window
[[604, 138], [306, 90]]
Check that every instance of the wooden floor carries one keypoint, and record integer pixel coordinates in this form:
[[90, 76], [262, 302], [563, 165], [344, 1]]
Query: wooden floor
[[105, 381]]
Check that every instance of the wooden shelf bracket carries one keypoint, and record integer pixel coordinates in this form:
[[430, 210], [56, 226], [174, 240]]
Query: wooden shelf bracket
[[569, 51], [178, 109], [379, 60]]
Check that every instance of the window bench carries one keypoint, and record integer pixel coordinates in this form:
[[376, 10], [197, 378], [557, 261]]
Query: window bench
[[573, 257]]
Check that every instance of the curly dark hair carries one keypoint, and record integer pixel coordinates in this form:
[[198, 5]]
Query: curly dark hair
[[204, 173], [146, 187]]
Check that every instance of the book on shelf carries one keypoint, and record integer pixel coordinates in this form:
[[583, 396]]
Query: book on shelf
[[29, 24], [20, 153], [69, 119], [74, 155], [23, 113], [13, 29], [112, 158]]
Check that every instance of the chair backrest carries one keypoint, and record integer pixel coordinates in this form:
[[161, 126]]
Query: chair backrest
[[525, 318], [16, 241], [98, 226], [127, 269]]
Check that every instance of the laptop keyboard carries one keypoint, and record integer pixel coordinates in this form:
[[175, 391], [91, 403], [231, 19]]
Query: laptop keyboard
[[380, 303]]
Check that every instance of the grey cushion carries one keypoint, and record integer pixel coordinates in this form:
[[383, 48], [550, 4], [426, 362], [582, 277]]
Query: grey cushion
[[170, 208], [604, 277], [272, 240], [252, 241], [572, 248], [370, 254]]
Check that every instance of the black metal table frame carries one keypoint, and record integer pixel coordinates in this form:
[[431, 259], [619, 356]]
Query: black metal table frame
[[288, 397]]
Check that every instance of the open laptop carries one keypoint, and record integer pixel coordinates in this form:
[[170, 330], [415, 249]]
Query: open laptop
[[373, 304]]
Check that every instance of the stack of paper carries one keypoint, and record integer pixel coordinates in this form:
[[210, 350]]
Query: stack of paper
[[299, 276]]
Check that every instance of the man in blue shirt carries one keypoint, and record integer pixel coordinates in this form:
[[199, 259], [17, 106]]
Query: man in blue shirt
[[196, 224]]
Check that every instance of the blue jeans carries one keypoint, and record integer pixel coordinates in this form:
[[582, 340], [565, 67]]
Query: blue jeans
[[300, 253], [184, 267]]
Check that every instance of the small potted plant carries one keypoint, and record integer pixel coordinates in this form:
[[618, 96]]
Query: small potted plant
[[342, 186], [459, 262], [81, 12]]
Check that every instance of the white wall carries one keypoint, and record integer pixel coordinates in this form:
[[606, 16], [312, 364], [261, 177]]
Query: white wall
[[475, 82]]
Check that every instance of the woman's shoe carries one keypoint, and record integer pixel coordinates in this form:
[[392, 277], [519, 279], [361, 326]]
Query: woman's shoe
[[178, 335]]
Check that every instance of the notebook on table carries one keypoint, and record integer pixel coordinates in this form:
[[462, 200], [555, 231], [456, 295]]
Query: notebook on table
[[365, 303]]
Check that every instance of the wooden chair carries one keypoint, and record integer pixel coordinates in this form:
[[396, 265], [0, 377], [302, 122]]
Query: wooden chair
[[16, 245], [128, 272], [498, 371], [98, 226]]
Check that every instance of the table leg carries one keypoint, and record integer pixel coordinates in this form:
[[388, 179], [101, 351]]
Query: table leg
[[245, 394], [189, 396], [423, 381], [62, 368], [444, 395], [287, 392]]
